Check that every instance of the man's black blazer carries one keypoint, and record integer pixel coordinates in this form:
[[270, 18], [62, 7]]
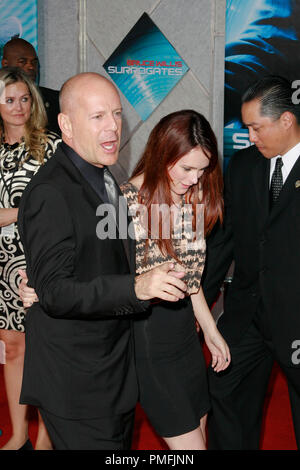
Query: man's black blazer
[[79, 360], [51, 102], [265, 247]]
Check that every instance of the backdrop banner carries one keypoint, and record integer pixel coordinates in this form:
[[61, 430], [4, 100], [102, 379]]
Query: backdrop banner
[[262, 38], [145, 66], [18, 18]]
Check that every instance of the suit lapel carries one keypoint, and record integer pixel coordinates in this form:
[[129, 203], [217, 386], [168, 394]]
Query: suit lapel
[[93, 198], [260, 177], [87, 191], [288, 191], [124, 217]]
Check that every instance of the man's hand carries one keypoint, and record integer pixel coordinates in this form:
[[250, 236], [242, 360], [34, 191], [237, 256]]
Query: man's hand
[[161, 282], [27, 294]]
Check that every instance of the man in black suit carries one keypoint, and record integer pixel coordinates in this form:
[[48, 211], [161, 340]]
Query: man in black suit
[[261, 234], [19, 53], [79, 361]]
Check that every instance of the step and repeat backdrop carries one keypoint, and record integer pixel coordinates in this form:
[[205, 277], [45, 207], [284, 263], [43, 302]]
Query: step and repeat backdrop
[[18, 18], [262, 38]]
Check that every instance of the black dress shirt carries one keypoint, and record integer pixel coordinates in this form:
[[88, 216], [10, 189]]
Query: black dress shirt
[[94, 175]]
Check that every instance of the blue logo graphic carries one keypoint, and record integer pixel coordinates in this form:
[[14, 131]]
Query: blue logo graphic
[[18, 18], [145, 67]]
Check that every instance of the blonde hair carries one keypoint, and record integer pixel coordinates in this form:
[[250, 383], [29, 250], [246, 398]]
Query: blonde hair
[[35, 128]]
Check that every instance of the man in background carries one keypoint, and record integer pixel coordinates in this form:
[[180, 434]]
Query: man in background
[[19, 53], [261, 234]]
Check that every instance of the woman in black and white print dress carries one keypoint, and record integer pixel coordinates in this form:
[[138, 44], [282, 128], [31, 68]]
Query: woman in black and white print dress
[[17, 168], [24, 147]]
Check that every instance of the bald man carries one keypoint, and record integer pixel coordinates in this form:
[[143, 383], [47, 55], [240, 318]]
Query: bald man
[[19, 53], [79, 361]]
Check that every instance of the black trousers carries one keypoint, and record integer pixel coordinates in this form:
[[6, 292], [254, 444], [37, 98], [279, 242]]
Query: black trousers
[[238, 393], [109, 433]]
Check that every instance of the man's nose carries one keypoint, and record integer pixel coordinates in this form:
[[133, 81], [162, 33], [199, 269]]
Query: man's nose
[[30, 67], [112, 123], [252, 135]]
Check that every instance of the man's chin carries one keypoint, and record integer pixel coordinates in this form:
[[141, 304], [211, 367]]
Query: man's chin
[[32, 77], [108, 159], [264, 152]]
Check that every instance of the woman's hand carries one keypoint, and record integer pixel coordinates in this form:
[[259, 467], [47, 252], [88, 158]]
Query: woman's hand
[[219, 350], [213, 339], [27, 294]]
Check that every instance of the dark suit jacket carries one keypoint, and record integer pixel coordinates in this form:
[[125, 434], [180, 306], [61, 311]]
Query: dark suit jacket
[[51, 102], [265, 247], [79, 352]]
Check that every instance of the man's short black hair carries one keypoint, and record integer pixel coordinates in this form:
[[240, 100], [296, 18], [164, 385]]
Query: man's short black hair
[[275, 96]]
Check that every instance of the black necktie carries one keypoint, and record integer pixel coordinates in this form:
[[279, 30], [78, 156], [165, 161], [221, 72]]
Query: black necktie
[[277, 181]]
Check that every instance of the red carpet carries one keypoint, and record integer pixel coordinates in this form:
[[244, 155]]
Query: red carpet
[[277, 430]]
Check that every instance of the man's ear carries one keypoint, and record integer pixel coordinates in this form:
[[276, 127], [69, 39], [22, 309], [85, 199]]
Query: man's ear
[[4, 62], [65, 125], [287, 118]]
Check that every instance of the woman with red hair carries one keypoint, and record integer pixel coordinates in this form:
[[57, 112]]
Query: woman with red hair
[[175, 199]]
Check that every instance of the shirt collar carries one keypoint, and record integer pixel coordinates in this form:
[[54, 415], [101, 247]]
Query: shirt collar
[[94, 175], [288, 159]]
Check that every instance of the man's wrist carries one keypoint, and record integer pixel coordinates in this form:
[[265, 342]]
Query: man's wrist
[[142, 303]]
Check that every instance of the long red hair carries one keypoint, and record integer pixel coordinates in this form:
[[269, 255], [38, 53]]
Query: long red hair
[[173, 137]]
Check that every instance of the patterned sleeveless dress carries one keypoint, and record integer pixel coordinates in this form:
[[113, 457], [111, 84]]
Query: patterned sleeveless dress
[[15, 174], [169, 359]]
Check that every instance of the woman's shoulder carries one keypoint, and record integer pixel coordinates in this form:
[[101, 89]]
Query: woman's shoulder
[[129, 191], [132, 185], [53, 137], [137, 181], [52, 140]]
